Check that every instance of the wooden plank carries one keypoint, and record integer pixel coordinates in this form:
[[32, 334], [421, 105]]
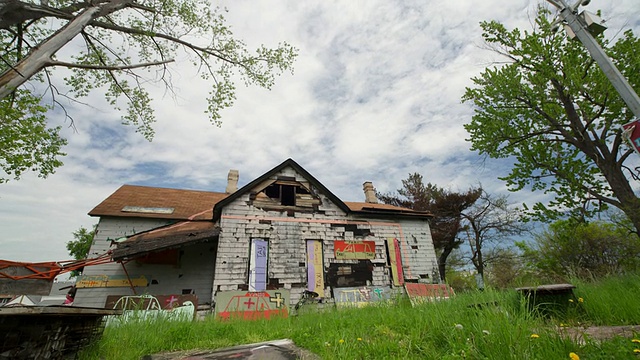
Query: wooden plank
[[104, 281], [395, 261], [315, 267]]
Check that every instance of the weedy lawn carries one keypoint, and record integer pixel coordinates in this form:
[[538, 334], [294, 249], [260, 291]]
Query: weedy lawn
[[478, 325]]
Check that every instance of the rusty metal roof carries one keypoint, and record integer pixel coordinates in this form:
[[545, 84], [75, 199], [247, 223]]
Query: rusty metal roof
[[166, 237]]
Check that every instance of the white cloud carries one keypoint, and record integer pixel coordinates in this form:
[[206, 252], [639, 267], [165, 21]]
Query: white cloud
[[375, 96]]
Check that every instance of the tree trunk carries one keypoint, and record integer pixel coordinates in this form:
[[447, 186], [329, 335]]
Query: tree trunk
[[442, 262], [42, 54]]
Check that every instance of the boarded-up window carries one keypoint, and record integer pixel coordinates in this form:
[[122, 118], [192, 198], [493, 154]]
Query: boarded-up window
[[258, 265]]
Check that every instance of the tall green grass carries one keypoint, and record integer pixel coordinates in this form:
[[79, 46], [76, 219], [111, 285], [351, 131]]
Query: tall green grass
[[476, 325]]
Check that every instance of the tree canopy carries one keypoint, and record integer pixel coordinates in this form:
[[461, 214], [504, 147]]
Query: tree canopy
[[80, 246], [119, 48], [552, 109]]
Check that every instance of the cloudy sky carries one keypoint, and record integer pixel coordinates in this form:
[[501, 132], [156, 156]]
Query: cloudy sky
[[375, 96]]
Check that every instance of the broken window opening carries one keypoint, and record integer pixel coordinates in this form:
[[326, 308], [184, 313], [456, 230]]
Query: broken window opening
[[350, 275], [285, 194]]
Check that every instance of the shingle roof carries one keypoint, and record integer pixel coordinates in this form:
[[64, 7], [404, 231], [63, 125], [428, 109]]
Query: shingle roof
[[154, 202], [186, 204]]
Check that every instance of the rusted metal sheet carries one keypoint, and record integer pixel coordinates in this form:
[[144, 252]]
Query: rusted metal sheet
[[104, 281], [421, 293], [315, 267], [395, 260], [25, 286], [363, 295], [249, 305], [166, 237], [354, 249]]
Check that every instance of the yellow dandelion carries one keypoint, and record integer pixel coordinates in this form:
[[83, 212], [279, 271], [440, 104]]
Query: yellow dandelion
[[580, 300], [637, 341], [574, 356], [562, 325], [359, 339], [341, 341], [571, 300], [535, 336], [637, 351]]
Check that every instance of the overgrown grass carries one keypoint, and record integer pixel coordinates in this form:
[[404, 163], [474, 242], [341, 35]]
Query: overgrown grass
[[478, 325]]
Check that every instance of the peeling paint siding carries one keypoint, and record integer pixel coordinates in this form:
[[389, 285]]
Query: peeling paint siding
[[195, 270]]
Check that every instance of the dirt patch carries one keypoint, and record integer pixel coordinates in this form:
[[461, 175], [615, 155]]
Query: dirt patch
[[598, 333]]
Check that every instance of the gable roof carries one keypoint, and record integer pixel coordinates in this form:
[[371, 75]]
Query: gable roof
[[154, 202], [287, 163], [179, 204]]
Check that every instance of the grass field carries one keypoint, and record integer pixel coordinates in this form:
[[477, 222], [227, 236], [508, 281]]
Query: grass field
[[477, 325]]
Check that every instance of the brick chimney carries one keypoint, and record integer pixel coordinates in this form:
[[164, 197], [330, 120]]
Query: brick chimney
[[369, 193], [232, 181]]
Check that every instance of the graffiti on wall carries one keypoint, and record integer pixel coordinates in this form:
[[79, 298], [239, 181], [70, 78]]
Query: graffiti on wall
[[421, 293], [363, 295], [349, 250], [249, 305], [102, 281], [157, 302]]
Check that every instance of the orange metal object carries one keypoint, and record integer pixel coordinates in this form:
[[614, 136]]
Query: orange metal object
[[47, 270]]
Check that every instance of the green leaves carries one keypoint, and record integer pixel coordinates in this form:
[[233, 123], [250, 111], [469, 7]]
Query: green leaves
[[26, 144], [121, 43], [551, 109]]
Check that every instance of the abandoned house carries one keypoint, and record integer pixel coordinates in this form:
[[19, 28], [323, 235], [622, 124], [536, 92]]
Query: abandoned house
[[282, 231]]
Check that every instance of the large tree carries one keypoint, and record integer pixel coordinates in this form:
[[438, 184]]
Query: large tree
[[552, 110], [445, 205], [117, 47]]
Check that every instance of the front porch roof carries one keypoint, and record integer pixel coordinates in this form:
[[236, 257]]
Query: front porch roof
[[164, 238]]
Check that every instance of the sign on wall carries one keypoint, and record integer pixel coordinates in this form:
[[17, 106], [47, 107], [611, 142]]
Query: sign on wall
[[421, 293], [362, 296], [249, 305], [102, 281], [315, 267], [349, 250]]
